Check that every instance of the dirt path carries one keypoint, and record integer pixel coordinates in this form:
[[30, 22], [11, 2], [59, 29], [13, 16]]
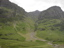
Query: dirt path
[[0, 46], [31, 36]]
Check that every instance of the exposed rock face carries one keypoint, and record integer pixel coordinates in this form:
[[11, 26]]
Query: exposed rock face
[[34, 15], [54, 12], [9, 5], [10, 11]]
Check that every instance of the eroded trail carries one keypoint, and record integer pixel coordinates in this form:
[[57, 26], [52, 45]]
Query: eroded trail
[[31, 36]]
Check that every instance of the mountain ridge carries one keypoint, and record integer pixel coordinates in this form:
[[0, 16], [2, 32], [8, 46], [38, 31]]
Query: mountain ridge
[[21, 29], [52, 12]]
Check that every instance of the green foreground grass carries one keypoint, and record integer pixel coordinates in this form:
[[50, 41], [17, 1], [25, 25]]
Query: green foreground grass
[[19, 44], [51, 30]]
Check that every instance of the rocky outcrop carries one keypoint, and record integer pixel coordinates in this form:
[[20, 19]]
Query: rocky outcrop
[[54, 12], [10, 11], [10, 5], [34, 15]]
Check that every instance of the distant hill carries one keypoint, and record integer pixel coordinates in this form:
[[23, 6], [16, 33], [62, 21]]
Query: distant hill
[[34, 15]]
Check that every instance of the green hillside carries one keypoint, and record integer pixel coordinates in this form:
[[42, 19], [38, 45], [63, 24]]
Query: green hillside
[[15, 31], [50, 26], [52, 30], [19, 29]]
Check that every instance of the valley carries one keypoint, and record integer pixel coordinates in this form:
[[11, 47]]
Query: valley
[[38, 29]]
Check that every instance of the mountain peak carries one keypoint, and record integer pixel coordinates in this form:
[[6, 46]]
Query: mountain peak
[[37, 11], [55, 8], [54, 12]]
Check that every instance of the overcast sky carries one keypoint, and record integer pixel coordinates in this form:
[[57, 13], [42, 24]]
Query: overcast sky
[[32, 5]]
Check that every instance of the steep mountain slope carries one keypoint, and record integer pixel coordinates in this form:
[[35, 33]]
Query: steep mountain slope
[[10, 15], [54, 12], [7, 4], [34, 15], [51, 24], [16, 27], [19, 29]]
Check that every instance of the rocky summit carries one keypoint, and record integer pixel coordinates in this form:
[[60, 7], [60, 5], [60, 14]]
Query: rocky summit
[[52, 12]]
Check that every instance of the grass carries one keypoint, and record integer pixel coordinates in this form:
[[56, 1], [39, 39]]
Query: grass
[[10, 33], [11, 39], [18, 44], [14, 33], [48, 31]]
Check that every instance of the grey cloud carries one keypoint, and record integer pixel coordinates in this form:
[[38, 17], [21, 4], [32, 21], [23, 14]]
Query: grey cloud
[[61, 2], [52, 1]]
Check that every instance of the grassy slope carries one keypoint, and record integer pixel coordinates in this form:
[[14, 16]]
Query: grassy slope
[[11, 39], [18, 44], [49, 30], [15, 30], [8, 32], [10, 35]]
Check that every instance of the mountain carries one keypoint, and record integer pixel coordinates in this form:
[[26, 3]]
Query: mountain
[[16, 28], [10, 5], [11, 16], [34, 15], [50, 24], [10, 11], [54, 12], [21, 29]]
